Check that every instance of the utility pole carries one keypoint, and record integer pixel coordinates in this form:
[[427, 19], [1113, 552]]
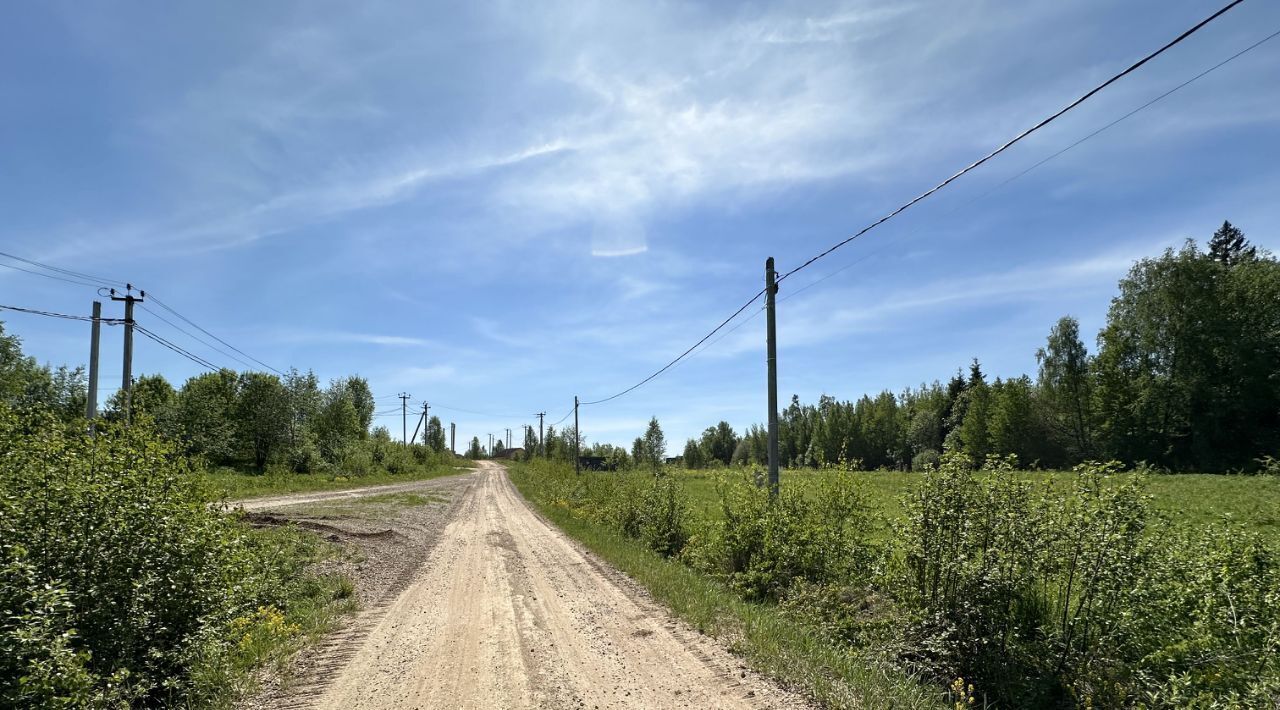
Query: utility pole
[[126, 380], [453, 435], [404, 417], [771, 344], [508, 437], [577, 437], [421, 421], [91, 407], [541, 451]]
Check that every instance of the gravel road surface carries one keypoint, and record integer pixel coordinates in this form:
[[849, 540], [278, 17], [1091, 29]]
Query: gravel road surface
[[507, 612]]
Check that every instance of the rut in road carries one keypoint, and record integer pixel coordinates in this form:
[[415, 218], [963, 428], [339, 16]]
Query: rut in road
[[509, 613]]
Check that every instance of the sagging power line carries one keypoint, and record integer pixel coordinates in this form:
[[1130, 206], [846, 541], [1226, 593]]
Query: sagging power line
[[931, 191]]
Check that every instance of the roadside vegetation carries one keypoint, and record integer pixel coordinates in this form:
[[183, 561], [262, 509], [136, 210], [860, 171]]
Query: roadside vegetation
[[1018, 543], [1071, 590], [123, 582], [121, 586]]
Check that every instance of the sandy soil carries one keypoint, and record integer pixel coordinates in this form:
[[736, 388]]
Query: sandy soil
[[506, 612]]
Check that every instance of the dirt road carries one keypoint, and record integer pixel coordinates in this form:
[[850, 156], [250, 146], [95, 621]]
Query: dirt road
[[507, 612]]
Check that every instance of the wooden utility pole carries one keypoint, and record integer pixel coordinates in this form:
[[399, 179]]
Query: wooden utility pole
[[577, 438], [771, 343], [453, 436], [91, 406], [126, 379], [541, 450]]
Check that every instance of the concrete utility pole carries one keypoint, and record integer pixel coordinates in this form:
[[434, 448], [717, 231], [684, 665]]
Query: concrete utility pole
[[540, 417], [126, 379], [91, 407], [508, 437], [491, 446], [771, 344], [577, 437], [421, 421], [404, 417], [453, 435]]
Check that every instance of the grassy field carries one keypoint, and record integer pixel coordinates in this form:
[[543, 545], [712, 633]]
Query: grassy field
[[1191, 500], [236, 484]]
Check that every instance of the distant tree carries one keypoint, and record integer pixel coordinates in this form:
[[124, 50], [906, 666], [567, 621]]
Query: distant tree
[[151, 396], [530, 443], [434, 436], [361, 397], [1228, 246], [262, 416], [338, 423], [205, 414], [654, 445], [693, 455], [972, 435], [1065, 382], [717, 444], [1187, 363], [475, 451], [1015, 424], [305, 399]]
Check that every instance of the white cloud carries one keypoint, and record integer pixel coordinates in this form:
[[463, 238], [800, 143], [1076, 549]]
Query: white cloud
[[356, 338]]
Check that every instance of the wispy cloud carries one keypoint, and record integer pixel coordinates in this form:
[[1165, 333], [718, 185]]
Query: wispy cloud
[[333, 337]]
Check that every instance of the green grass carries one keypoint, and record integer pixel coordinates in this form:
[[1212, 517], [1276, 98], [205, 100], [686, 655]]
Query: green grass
[[771, 642], [842, 675], [236, 484], [312, 605], [377, 507], [1188, 500]]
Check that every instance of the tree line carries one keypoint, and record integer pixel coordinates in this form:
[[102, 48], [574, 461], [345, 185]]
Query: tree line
[[227, 418], [1186, 376]]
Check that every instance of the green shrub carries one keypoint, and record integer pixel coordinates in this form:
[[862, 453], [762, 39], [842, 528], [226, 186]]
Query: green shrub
[[762, 546], [119, 582], [663, 515], [925, 460], [39, 667]]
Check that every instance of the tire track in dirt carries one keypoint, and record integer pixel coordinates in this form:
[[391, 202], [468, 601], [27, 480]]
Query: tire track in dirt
[[507, 612]]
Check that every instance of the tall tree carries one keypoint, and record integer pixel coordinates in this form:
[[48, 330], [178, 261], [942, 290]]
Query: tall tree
[[434, 436], [1228, 246], [1187, 362], [205, 414], [1065, 382], [262, 416], [654, 445]]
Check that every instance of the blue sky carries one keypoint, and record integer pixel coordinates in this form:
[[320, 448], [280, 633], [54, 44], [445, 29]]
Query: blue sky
[[495, 206]]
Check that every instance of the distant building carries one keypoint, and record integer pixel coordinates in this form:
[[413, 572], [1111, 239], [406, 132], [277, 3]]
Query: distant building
[[516, 453]]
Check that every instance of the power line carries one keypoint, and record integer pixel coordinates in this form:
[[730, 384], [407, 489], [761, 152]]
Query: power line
[[195, 337], [1147, 105], [52, 276], [682, 355], [177, 349], [97, 280], [66, 316], [566, 416], [1008, 144], [187, 320], [478, 414], [1044, 160]]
